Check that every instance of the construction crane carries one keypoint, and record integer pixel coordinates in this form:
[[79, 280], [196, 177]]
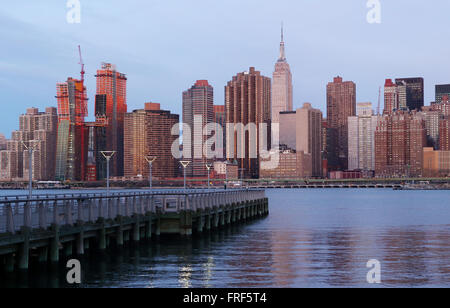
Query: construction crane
[[83, 107], [82, 64]]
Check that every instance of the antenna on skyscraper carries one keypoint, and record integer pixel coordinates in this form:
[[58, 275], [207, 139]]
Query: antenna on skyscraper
[[379, 101], [81, 63]]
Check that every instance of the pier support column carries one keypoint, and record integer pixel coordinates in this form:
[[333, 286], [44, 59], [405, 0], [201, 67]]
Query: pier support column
[[80, 241], [200, 222], [222, 216], [43, 254], [68, 249], [102, 236], [216, 219], [24, 250], [186, 223], [208, 222], [228, 215], [9, 263], [119, 236], [87, 243], [54, 244], [158, 226], [119, 232], [148, 226], [136, 229], [233, 213]]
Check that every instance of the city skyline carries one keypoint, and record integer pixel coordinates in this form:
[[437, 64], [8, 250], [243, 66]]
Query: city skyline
[[53, 56]]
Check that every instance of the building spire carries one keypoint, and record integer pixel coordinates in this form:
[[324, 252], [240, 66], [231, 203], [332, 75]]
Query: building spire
[[282, 57]]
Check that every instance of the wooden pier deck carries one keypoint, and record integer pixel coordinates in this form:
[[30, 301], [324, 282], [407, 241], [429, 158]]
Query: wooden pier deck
[[47, 226]]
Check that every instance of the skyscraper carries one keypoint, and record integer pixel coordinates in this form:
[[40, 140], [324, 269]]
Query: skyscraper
[[361, 138], [309, 136], [110, 104], [247, 104], [2, 142], [282, 85], [219, 119], [441, 91], [414, 92], [148, 132], [341, 104], [198, 111], [399, 141], [71, 150], [37, 130], [394, 97], [444, 134]]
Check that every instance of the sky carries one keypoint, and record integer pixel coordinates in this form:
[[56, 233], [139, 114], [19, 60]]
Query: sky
[[164, 46]]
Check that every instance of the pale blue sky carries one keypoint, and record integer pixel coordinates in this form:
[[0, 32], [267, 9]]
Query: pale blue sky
[[165, 45]]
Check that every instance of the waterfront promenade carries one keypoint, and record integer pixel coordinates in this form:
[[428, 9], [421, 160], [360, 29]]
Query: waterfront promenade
[[47, 226]]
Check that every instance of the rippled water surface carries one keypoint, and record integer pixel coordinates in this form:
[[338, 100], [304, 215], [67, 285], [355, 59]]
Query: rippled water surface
[[312, 238]]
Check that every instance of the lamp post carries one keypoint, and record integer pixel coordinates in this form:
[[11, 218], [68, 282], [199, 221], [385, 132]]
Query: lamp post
[[226, 173], [208, 166], [30, 150], [150, 160], [241, 170], [184, 163], [107, 155]]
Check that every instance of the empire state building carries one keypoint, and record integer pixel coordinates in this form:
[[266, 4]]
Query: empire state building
[[281, 86]]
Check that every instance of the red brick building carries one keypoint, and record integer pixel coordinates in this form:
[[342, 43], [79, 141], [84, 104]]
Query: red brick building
[[148, 132], [341, 104], [399, 142]]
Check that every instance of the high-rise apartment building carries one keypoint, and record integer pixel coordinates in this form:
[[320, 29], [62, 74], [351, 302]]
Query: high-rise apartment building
[[394, 97], [288, 126], [110, 106], [198, 111], [361, 138], [2, 142], [444, 134], [281, 85], [147, 132], [219, 119], [71, 150], [38, 131], [399, 142], [414, 92], [309, 136], [443, 107], [341, 104], [247, 105], [441, 91], [8, 165], [432, 119]]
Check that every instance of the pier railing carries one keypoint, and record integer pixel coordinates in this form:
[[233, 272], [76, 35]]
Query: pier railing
[[43, 211]]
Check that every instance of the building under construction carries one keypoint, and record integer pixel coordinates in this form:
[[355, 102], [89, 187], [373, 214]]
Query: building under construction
[[72, 140], [110, 109]]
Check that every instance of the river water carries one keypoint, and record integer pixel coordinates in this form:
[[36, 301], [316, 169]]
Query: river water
[[312, 238]]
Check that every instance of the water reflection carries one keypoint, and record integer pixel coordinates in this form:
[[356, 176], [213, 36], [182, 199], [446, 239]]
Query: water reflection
[[305, 242]]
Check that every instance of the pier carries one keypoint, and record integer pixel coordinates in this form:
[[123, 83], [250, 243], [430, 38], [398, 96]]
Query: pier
[[48, 226]]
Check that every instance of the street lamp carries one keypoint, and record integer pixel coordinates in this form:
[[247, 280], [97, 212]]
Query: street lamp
[[242, 173], [30, 149], [150, 160], [226, 173], [107, 155], [184, 163], [208, 166]]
